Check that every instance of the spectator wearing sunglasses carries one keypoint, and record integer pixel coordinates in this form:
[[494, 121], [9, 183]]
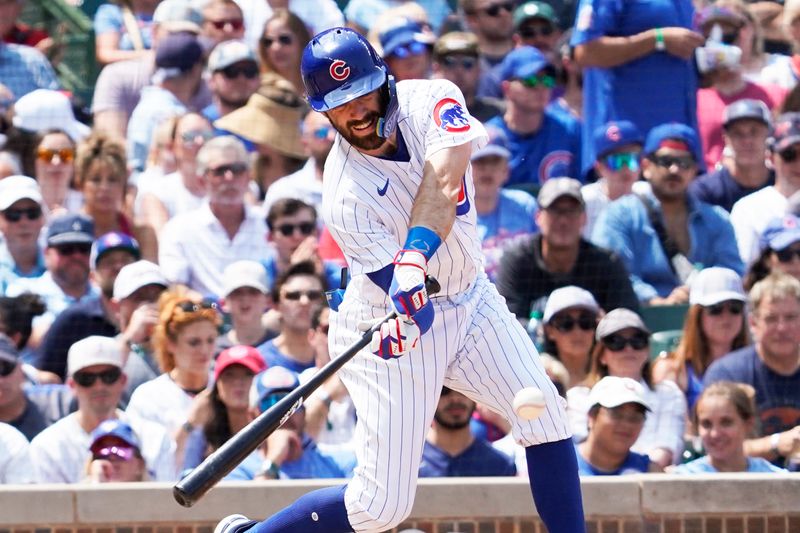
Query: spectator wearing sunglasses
[[771, 365], [491, 21], [196, 246], [618, 410], [536, 24], [666, 236], [294, 238], [715, 325], [95, 376], [748, 214], [406, 48], [52, 162], [222, 21], [743, 169], [233, 77], [622, 350], [618, 145], [21, 222], [456, 58], [780, 250], [298, 293], [116, 455], [281, 46], [543, 143]]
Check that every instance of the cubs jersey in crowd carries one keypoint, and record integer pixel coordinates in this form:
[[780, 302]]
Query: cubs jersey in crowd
[[368, 200]]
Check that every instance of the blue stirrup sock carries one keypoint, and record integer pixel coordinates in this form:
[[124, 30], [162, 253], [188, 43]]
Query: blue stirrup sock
[[319, 511], [556, 488]]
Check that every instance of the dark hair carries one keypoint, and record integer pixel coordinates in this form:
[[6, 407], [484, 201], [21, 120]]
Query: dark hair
[[217, 430], [286, 207], [758, 270], [316, 316], [16, 315], [303, 268]]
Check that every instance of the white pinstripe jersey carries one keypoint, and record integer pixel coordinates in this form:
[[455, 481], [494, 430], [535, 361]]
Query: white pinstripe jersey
[[370, 227]]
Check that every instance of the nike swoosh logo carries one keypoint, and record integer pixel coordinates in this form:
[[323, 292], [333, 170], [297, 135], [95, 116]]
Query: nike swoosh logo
[[382, 191]]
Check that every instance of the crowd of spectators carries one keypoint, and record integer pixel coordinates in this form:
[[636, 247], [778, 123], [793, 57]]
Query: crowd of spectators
[[163, 269]]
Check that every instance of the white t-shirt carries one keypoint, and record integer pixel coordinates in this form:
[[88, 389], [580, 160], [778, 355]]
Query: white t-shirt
[[302, 185], [171, 191], [15, 459], [596, 201], [750, 216], [162, 401], [61, 451]]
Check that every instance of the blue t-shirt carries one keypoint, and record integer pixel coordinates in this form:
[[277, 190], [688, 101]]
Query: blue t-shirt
[[702, 465], [719, 188], [312, 464], [109, 19], [654, 89], [479, 459], [512, 217], [635, 463], [333, 271], [552, 151], [274, 357]]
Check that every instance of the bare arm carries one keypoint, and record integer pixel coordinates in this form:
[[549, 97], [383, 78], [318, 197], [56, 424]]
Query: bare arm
[[607, 52], [107, 49]]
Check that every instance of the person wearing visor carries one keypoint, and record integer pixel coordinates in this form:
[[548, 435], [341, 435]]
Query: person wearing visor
[[407, 50], [116, 454]]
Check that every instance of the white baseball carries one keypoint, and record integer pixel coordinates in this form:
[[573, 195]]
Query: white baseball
[[529, 403]]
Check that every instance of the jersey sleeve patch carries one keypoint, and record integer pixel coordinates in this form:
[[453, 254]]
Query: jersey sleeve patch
[[449, 115]]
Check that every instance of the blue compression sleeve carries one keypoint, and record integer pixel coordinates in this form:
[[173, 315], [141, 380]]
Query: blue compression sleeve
[[556, 488], [319, 511]]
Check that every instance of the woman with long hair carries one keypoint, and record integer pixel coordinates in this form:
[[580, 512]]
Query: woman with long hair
[[281, 46], [715, 325]]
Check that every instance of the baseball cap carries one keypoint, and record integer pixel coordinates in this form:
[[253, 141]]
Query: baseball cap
[[613, 391], [567, 297], [713, 285], [617, 320], [113, 428], [780, 233], [615, 134], [272, 380], [228, 53], [68, 229], [16, 188], [746, 109], [178, 15], [244, 273], [113, 240], [523, 62], [136, 275], [45, 109], [786, 132], [672, 131], [403, 33], [175, 54], [456, 42], [94, 350], [712, 13], [247, 356], [497, 145], [8, 350], [555, 188], [531, 10]]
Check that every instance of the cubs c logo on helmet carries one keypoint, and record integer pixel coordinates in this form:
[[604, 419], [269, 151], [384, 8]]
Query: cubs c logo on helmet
[[450, 116], [339, 70]]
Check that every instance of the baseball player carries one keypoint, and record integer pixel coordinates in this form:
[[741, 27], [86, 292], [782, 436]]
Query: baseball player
[[398, 199]]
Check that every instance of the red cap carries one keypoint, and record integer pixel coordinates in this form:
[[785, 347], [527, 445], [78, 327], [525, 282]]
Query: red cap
[[247, 356]]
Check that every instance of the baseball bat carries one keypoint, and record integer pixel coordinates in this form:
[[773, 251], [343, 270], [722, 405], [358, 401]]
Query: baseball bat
[[217, 465]]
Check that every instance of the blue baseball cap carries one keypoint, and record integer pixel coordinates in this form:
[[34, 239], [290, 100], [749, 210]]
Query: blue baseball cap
[[786, 132], [615, 134], [780, 233], [672, 131], [69, 229], [523, 62], [114, 240], [497, 145], [113, 428], [273, 380], [746, 109], [403, 33]]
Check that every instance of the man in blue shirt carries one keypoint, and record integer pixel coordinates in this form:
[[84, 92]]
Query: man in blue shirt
[[452, 450], [544, 144], [693, 234], [23, 69], [21, 221]]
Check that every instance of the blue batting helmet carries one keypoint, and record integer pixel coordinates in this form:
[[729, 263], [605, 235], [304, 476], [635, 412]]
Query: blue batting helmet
[[339, 65]]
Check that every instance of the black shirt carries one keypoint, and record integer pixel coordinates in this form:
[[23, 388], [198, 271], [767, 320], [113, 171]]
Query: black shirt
[[719, 188]]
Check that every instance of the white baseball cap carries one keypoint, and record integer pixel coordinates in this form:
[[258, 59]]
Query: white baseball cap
[[228, 53], [244, 274], [45, 109], [16, 188], [136, 275], [94, 350], [714, 285], [613, 391], [566, 297]]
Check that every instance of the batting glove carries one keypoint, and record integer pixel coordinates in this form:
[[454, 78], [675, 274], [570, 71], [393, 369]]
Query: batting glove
[[394, 338], [409, 296]]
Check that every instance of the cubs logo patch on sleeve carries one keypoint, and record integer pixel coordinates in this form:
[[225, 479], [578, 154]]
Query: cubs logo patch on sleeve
[[450, 116]]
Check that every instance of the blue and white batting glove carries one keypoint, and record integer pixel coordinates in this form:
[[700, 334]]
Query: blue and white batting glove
[[394, 338], [407, 291]]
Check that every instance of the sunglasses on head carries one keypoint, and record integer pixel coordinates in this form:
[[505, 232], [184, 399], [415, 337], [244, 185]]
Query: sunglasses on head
[[234, 168], [196, 135], [72, 249], [532, 32], [620, 160], [617, 343], [6, 368], [734, 307], [408, 50], [287, 230], [286, 39], [787, 254], [467, 63], [193, 307], [683, 162], [87, 379], [248, 70], [495, 9], [566, 323], [789, 155], [236, 24], [15, 215], [296, 295], [65, 155], [540, 80], [270, 400], [115, 453]]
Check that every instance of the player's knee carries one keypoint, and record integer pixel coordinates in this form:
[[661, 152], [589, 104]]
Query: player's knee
[[383, 513]]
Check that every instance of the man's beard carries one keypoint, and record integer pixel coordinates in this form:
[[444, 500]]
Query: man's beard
[[452, 424], [370, 142], [235, 104]]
